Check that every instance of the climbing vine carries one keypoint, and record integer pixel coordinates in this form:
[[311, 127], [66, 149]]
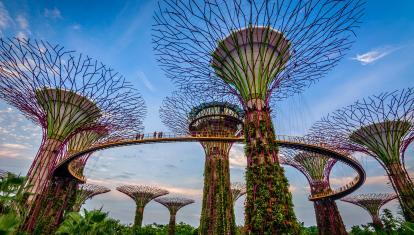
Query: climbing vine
[[269, 208], [217, 215]]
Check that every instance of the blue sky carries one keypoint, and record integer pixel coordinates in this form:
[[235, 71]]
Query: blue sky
[[118, 33]]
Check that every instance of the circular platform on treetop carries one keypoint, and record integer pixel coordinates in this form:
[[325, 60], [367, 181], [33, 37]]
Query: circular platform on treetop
[[218, 118]]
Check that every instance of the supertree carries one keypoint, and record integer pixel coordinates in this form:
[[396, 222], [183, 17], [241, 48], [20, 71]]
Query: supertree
[[194, 115], [173, 204], [257, 51], [3, 174], [87, 191], [65, 93], [61, 194], [380, 126], [237, 190], [372, 202], [317, 168], [142, 195]]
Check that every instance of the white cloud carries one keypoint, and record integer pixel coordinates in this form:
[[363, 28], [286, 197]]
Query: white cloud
[[145, 81], [52, 13], [237, 158], [374, 55], [5, 19], [22, 21], [21, 35], [76, 27], [14, 146]]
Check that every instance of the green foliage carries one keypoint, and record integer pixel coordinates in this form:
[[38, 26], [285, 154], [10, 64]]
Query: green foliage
[[392, 226], [91, 223], [97, 222], [12, 197], [269, 207], [9, 224], [12, 194], [312, 230]]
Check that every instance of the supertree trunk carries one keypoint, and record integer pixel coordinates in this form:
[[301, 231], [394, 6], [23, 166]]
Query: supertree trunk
[[139, 215], [42, 166], [37, 179], [269, 208], [376, 222], [328, 219], [54, 202], [217, 215], [404, 186], [171, 225]]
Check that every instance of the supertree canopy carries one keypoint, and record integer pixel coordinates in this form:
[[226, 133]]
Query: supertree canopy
[[372, 203], [3, 174], [65, 93], [382, 127], [209, 116], [87, 191], [255, 51], [173, 204], [237, 190], [142, 195], [317, 168]]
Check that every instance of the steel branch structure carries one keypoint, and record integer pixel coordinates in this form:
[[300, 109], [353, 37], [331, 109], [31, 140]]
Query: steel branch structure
[[381, 126], [87, 191], [237, 190], [317, 168], [257, 51], [191, 114], [3, 174], [142, 195], [372, 203], [173, 204], [65, 93]]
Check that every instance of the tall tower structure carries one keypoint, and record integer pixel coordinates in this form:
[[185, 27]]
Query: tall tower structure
[[64, 93], [173, 204], [257, 51], [197, 116], [87, 191], [372, 203], [381, 126], [142, 195], [317, 168]]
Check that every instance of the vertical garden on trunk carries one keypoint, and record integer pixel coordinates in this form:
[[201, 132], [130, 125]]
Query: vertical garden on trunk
[[255, 51]]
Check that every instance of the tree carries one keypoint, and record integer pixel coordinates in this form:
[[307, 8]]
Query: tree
[[142, 195], [255, 51], [380, 126], [173, 204]]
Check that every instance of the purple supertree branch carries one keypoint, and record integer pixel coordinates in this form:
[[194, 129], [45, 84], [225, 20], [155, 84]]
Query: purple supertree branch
[[187, 32], [142, 194], [396, 106], [238, 189], [372, 202], [174, 203], [27, 66], [87, 191], [315, 167], [3, 174]]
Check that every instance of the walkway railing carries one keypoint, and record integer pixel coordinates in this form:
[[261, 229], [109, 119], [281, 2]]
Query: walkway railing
[[285, 141]]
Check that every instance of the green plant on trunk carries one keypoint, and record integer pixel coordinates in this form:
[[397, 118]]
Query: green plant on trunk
[[269, 208], [317, 168]]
